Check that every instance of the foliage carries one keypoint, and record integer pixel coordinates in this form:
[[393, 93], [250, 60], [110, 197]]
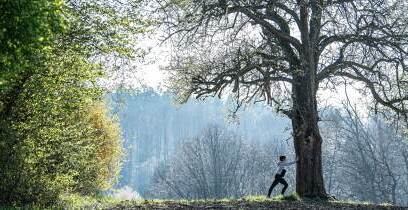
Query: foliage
[[105, 28], [56, 135], [77, 201], [26, 28], [61, 141], [107, 144]]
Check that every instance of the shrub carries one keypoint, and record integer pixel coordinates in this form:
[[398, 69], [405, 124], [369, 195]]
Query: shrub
[[59, 137]]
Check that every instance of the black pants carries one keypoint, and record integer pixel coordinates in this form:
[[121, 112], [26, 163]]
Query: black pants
[[278, 179]]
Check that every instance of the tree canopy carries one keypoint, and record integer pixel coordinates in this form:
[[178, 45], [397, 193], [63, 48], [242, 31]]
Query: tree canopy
[[257, 48], [284, 53], [56, 134]]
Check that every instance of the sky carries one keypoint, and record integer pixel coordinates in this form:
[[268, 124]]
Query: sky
[[150, 72]]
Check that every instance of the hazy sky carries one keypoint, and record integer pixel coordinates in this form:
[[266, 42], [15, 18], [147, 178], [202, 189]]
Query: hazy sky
[[151, 73]]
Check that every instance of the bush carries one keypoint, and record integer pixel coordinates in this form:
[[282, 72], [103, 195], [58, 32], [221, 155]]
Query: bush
[[107, 145], [58, 137]]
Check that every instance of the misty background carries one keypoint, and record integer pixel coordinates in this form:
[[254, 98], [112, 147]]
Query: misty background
[[153, 127], [365, 157]]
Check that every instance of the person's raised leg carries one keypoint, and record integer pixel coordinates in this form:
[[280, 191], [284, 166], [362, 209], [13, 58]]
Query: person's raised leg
[[285, 185], [274, 183]]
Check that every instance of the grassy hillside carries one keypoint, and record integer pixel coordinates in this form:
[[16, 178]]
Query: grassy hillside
[[291, 202], [251, 202]]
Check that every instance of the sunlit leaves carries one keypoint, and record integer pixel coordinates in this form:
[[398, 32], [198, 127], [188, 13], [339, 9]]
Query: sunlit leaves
[[51, 140]]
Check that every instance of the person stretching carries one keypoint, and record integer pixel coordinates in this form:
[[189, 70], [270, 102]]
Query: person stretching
[[280, 174]]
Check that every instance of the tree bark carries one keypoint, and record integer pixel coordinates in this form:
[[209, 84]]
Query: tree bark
[[307, 139]]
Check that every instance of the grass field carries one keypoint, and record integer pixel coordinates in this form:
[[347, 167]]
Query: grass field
[[250, 202]]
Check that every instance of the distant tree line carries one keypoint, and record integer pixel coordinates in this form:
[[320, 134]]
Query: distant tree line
[[154, 128], [365, 159], [215, 164]]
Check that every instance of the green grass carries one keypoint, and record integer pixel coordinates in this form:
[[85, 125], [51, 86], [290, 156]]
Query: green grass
[[352, 202], [75, 201], [262, 198]]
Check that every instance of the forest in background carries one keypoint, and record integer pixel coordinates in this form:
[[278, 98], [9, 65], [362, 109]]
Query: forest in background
[[360, 152], [59, 58], [153, 127]]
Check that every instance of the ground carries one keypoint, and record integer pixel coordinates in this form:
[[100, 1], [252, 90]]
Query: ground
[[251, 202], [242, 204]]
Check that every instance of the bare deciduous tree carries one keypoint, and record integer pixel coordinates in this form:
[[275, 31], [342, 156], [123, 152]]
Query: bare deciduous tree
[[215, 164], [283, 52], [368, 159]]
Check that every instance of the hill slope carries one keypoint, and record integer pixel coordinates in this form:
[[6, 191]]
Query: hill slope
[[246, 204]]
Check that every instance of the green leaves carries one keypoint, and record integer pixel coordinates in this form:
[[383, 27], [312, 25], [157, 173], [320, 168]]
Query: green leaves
[[58, 143], [55, 133]]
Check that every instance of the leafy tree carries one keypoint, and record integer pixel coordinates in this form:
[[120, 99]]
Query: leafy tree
[[61, 139], [284, 52], [26, 28], [107, 157], [55, 133], [50, 143]]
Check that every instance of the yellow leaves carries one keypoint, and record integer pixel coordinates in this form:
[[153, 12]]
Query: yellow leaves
[[108, 143]]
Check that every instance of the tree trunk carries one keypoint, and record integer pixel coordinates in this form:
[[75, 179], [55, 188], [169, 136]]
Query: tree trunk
[[307, 139]]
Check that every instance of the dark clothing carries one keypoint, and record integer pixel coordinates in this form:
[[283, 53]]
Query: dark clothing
[[282, 174], [279, 179]]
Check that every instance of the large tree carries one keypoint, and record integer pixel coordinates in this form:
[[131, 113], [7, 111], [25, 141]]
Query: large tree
[[56, 136], [285, 51]]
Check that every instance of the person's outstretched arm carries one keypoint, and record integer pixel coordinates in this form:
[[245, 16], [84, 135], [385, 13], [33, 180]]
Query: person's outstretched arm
[[289, 163]]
